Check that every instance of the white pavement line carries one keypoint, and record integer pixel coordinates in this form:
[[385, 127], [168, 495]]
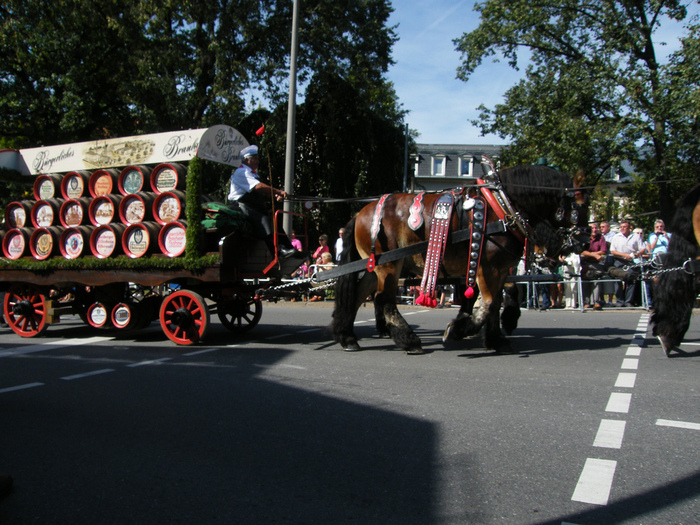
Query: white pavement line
[[625, 380], [206, 351], [690, 344], [22, 350], [309, 330], [595, 482], [678, 424], [634, 351], [630, 364], [610, 434], [151, 362], [619, 402], [88, 374], [19, 387]]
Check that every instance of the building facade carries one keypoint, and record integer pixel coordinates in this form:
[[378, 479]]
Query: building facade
[[439, 167]]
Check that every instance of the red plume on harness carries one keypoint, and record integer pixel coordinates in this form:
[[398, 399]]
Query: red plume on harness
[[260, 131]]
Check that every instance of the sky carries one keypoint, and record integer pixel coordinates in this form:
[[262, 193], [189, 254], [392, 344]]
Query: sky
[[441, 107]]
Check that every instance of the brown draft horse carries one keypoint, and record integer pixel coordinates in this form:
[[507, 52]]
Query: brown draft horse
[[543, 199], [675, 290]]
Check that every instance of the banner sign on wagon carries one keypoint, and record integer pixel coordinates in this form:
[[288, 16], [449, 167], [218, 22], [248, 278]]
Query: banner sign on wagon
[[219, 143]]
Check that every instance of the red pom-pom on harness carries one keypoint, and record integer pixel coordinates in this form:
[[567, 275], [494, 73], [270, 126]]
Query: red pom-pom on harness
[[469, 293]]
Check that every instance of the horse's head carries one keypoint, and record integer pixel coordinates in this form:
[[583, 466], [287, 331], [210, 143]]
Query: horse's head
[[553, 203]]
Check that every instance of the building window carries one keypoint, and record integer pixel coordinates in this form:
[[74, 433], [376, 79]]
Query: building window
[[438, 166], [465, 166]]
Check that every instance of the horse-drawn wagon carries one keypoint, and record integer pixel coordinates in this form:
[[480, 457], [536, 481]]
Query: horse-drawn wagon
[[118, 234]]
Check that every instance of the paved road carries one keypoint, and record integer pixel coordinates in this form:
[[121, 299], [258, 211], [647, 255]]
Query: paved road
[[589, 424]]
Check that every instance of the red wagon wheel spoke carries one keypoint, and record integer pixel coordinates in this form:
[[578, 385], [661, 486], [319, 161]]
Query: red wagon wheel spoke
[[25, 311], [184, 317]]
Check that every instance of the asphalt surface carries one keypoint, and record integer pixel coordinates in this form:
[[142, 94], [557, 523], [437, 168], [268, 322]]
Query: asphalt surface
[[589, 424]]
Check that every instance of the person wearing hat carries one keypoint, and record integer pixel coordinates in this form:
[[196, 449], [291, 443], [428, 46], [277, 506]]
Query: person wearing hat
[[253, 197]]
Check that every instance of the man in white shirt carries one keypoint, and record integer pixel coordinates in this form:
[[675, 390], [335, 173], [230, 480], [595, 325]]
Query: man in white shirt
[[253, 197], [339, 245], [625, 247]]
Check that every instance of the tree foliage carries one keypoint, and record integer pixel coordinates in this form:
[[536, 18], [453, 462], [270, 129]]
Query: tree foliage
[[80, 70], [595, 92]]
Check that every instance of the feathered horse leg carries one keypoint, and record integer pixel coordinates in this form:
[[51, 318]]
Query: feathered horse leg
[[675, 291]]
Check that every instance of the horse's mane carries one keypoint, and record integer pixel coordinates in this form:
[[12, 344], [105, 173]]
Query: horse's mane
[[530, 185], [682, 223]]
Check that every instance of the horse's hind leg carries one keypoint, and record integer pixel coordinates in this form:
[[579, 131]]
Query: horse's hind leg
[[350, 294], [389, 320], [396, 326]]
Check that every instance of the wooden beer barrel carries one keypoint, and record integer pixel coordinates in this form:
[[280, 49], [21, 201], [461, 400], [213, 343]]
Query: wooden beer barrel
[[172, 238], [169, 206], [47, 187], [99, 315], [45, 213], [103, 182], [104, 209], [106, 240], [140, 238], [44, 242], [75, 184], [74, 241], [15, 243], [168, 177], [74, 212], [17, 214], [133, 179], [137, 207]]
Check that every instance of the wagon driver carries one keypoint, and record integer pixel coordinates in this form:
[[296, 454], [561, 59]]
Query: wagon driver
[[253, 197]]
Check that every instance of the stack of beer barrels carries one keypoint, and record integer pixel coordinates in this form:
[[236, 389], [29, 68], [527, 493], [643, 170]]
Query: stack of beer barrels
[[135, 211]]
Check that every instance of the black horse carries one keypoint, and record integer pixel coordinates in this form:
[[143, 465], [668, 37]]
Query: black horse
[[541, 205], [675, 290]]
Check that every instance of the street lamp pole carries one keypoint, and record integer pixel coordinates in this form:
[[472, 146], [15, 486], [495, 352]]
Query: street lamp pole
[[291, 119]]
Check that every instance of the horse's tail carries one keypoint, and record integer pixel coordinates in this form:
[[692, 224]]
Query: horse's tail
[[346, 287], [675, 291]]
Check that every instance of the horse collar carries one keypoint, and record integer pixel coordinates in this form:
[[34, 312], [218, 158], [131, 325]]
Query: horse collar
[[501, 205]]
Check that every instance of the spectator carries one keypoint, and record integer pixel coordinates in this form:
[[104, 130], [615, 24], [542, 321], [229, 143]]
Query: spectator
[[625, 247], [322, 248], [339, 245], [657, 243], [296, 243], [593, 266]]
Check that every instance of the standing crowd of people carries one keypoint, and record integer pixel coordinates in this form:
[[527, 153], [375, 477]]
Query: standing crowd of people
[[610, 268]]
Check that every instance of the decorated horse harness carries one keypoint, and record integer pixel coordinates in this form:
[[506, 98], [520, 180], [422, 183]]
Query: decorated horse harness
[[473, 204]]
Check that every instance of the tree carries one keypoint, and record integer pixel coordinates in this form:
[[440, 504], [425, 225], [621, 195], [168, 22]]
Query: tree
[[595, 93]]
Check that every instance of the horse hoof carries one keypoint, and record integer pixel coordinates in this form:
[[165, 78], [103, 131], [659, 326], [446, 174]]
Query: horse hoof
[[668, 348], [353, 347], [416, 351], [450, 334]]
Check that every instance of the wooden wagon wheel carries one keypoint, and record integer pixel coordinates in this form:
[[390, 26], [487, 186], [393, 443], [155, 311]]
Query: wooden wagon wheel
[[25, 310], [239, 314], [184, 317]]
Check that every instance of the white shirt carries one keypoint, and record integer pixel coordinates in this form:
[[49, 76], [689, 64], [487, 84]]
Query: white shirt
[[338, 248], [243, 180], [630, 244]]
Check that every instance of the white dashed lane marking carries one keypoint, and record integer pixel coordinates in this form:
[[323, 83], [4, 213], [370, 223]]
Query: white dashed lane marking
[[88, 374], [19, 387], [595, 482]]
